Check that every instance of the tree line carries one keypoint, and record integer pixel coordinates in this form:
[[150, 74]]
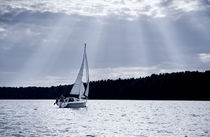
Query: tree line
[[167, 86]]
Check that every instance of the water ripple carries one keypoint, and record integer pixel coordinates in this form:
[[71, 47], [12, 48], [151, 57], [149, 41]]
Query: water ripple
[[105, 118]]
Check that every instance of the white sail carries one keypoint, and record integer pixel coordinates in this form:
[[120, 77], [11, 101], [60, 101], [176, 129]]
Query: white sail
[[82, 89], [87, 75], [77, 87], [87, 91]]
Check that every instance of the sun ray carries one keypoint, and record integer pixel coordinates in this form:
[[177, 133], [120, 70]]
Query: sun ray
[[43, 40], [172, 43], [46, 53]]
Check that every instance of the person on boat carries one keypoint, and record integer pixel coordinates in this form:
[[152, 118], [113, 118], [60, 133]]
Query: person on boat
[[62, 98], [56, 101]]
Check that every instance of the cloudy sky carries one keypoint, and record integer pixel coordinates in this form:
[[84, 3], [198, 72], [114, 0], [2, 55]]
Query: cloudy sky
[[42, 41]]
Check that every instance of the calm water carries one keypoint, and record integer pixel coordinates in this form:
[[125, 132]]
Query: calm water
[[105, 118]]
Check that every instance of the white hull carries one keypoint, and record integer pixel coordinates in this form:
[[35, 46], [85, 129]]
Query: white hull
[[74, 104]]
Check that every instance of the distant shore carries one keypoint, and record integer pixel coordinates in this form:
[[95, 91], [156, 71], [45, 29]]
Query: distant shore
[[186, 85]]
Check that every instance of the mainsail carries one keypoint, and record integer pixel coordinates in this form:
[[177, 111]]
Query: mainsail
[[87, 74], [78, 87]]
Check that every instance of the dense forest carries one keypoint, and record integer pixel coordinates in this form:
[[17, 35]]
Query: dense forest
[[174, 86]]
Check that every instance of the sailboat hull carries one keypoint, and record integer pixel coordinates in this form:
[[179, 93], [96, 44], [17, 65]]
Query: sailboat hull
[[75, 104]]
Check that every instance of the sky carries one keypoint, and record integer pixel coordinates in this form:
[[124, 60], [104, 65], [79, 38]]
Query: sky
[[42, 41]]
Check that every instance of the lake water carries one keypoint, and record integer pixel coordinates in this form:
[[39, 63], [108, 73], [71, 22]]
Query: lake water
[[105, 118]]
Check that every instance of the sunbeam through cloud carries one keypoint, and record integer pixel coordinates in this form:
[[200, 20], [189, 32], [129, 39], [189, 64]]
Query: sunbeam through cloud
[[41, 41]]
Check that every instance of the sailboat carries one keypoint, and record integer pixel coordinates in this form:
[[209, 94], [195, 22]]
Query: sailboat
[[80, 90]]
